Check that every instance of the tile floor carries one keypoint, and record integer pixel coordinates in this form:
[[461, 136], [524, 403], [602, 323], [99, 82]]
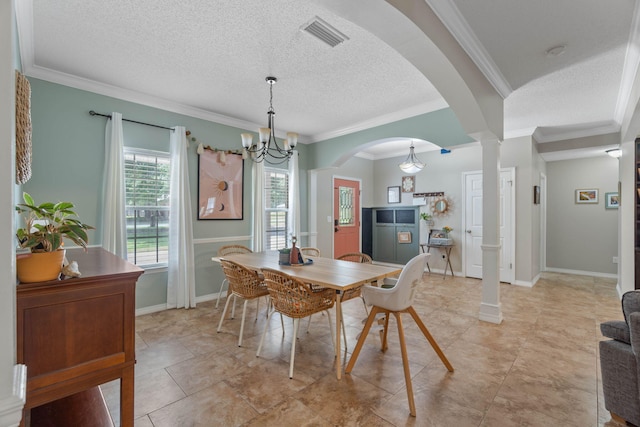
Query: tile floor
[[538, 368]]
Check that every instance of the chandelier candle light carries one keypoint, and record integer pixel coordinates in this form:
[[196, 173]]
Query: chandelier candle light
[[412, 164], [268, 146]]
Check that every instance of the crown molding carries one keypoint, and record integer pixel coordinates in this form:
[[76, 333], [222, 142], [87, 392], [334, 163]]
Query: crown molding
[[630, 68], [24, 23], [134, 96], [451, 17], [425, 108], [24, 18], [604, 128]]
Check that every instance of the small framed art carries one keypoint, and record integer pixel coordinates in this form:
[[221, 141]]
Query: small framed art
[[611, 200], [408, 184], [589, 195], [404, 237], [393, 194]]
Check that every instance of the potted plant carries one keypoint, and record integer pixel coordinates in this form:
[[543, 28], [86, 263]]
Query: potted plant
[[427, 218], [45, 227]]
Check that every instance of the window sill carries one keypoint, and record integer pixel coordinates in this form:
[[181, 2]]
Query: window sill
[[156, 268]]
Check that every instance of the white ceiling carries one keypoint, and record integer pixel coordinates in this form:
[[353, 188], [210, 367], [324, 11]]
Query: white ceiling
[[209, 59]]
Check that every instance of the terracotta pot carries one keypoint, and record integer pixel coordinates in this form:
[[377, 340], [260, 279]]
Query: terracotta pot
[[39, 267]]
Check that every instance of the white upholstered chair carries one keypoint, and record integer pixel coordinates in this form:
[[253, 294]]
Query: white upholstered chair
[[396, 300]]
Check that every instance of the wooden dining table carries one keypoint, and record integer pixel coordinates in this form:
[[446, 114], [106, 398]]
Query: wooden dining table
[[327, 272]]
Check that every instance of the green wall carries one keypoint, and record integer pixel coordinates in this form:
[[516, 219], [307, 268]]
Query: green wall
[[68, 158], [440, 127]]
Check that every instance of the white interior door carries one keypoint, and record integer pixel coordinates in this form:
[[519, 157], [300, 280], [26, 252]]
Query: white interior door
[[473, 224]]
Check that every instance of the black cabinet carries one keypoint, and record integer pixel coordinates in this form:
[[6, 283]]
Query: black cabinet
[[395, 234]]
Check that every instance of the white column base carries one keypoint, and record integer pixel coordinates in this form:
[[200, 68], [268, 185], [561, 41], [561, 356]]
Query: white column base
[[11, 406], [490, 313]]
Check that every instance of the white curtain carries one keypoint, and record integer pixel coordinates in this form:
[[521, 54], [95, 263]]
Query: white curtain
[[182, 284], [294, 198], [114, 227], [257, 196]]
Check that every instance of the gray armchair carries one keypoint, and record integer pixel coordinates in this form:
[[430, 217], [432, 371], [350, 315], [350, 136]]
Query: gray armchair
[[620, 361]]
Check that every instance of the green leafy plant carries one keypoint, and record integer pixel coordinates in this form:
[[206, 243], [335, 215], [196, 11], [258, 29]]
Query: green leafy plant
[[47, 224], [425, 216]]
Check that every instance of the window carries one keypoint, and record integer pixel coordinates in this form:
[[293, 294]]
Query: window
[[276, 195], [146, 175]]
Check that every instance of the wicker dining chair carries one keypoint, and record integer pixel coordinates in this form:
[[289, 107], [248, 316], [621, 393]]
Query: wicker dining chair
[[309, 251], [295, 299], [228, 250], [243, 283], [357, 292]]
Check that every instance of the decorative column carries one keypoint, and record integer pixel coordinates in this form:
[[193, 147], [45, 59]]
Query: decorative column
[[490, 307]]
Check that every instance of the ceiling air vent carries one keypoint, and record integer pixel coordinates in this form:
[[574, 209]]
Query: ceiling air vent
[[325, 32]]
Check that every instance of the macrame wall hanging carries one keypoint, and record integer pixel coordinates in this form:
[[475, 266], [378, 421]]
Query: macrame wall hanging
[[23, 129]]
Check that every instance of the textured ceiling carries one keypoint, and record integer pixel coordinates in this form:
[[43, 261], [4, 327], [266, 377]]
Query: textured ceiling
[[215, 56], [211, 57]]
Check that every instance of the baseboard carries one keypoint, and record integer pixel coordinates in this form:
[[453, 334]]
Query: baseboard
[[490, 313], [150, 309], [582, 273], [526, 284], [11, 406], [161, 307], [208, 297]]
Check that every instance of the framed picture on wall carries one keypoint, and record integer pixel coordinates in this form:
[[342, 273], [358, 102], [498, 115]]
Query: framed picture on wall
[[393, 194], [408, 184], [589, 195], [220, 185], [611, 200]]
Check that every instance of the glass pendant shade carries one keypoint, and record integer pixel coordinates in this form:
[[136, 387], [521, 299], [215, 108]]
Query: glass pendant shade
[[412, 164], [247, 140], [291, 141], [264, 134]]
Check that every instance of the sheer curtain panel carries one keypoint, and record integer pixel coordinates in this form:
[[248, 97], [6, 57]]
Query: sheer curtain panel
[[114, 225], [257, 232], [181, 290], [293, 227]]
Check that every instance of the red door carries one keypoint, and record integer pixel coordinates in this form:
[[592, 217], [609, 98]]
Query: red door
[[346, 216]]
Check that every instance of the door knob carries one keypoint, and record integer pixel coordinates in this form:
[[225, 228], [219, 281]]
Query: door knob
[[469, 231]]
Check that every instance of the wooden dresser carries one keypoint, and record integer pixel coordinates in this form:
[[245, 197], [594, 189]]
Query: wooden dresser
[[75, 334]]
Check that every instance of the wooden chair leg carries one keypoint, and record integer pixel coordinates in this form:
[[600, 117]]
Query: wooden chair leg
[[430, 338], [617, 418], [385, 344], [405, 364], [363, 336]]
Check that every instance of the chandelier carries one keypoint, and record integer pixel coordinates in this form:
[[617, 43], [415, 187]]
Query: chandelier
[[268, 145], [412, 164]]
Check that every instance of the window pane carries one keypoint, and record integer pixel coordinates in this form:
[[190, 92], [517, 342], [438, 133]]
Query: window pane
[[276, 208], [346, 209], [147, 211]]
